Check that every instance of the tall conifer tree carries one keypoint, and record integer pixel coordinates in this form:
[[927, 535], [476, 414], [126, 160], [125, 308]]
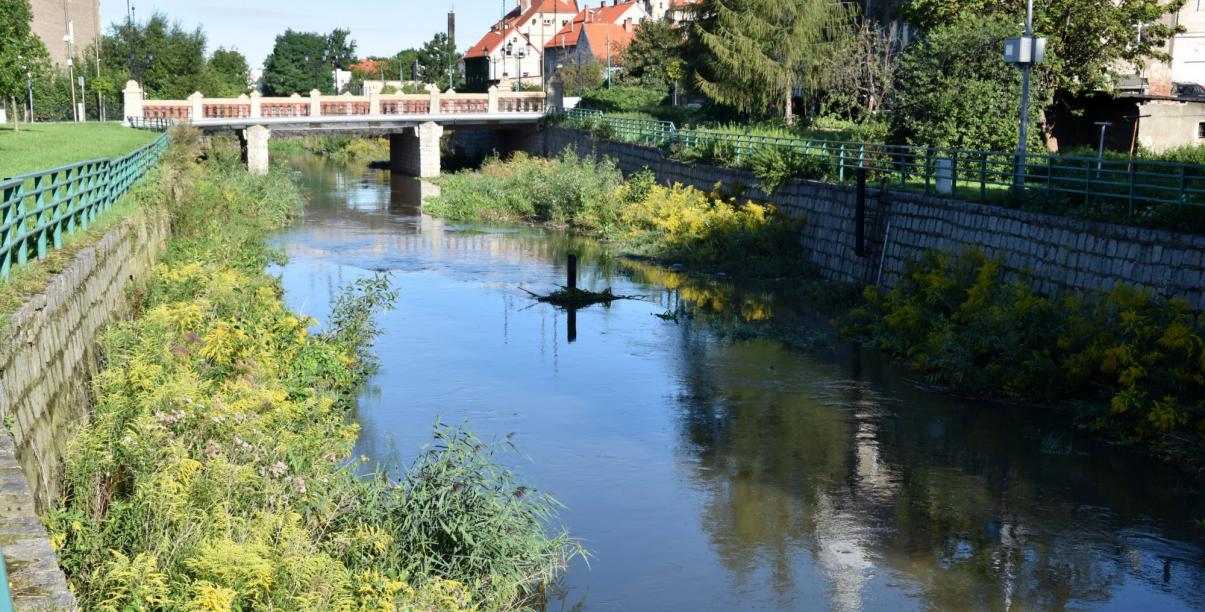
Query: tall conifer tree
[[754, 54]]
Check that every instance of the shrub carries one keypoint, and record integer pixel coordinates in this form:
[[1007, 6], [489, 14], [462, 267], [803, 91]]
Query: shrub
[[775, 166], [961, 322], [567, 191], [623, 99]]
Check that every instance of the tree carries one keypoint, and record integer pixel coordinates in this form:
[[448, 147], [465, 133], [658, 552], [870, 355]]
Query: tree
[[20, 51], [298, 64], [178, 67], [580, 72], [1090, 40], [754, 54], [439, 62], [955, 91], [340, 49], [230, 73], [654, 48], [861, 77]]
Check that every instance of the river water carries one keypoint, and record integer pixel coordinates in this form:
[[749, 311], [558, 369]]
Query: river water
[[706, 469]]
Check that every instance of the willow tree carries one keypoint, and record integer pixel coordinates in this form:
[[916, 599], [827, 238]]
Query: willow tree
[[753, 54]]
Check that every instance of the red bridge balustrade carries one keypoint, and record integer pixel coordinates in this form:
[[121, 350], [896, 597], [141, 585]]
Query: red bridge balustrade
[[255, 106]]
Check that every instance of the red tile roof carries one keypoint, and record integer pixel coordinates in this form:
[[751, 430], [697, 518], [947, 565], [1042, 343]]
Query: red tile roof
[[501, 30], [607, 15]]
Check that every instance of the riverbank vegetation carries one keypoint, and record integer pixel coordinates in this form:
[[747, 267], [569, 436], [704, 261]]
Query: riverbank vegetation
[[1133, 363], [338, 149], [678, 224], [215, 472]]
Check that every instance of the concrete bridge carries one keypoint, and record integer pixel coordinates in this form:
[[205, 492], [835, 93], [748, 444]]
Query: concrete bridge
[[414, 123]]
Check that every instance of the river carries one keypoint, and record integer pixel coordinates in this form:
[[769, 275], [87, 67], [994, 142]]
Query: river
[[706, 468]]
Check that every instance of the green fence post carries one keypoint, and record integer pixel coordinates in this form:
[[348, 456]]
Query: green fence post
[[983, 175]]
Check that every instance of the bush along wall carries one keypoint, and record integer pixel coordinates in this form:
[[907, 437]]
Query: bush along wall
[[1132, 363], [215, 473]]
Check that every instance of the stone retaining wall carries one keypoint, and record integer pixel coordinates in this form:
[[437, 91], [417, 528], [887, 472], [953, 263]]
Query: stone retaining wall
[[1058, 252], [48, 355]]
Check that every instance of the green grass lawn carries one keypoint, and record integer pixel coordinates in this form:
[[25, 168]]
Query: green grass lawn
[[48, 145]]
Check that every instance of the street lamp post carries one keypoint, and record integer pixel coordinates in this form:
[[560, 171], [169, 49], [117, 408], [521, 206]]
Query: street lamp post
[[1024, 52], [519, 56]]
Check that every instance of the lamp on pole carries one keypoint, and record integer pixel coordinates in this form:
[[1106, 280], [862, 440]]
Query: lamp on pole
[[519, 56], [1024, 52], [28, 68]]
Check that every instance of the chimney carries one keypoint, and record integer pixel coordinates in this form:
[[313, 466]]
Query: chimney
[[452, 29], [627, 24]]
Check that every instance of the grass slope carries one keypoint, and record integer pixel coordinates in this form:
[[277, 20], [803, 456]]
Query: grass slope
[[48, 145]]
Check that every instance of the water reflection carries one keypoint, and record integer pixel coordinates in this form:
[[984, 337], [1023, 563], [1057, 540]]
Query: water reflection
[[707, 473]]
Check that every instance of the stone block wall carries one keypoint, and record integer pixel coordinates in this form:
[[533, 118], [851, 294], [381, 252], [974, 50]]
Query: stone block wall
[[48, 355], [1058, 252], [415, 152]]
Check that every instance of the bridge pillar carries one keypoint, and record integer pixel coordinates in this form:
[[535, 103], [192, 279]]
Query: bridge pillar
[[416, 151], [255, 148]]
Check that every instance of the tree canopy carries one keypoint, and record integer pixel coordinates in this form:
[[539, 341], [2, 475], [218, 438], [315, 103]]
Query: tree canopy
[[955, 90], [437, 60], [754, 55], [178, 67], [229, 73], [656, 46], [19, 49], [304, 61], [1089, 39]]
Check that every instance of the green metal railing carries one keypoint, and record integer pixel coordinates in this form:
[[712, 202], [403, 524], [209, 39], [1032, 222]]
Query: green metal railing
[[1121, 186], [39, 210]]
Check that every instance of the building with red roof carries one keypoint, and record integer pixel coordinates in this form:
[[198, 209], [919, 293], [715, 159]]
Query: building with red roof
[[596, 34], [513, 49]]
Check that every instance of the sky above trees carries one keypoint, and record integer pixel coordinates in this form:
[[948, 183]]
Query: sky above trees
[[379, 27]]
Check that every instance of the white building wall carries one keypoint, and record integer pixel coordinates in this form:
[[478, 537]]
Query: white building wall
[[1188, 49]]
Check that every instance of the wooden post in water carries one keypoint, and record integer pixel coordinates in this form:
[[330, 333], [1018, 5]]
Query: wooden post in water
[[860, 215], [572, 283]]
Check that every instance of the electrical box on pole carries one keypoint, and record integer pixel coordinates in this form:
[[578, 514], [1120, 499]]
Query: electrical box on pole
[[1024, 50]]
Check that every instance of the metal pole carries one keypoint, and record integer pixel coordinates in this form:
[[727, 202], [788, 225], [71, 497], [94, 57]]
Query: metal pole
[[1026, 71], [29, 86], [1100, 155]]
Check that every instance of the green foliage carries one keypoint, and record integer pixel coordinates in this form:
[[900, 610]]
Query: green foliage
[[622, 99], [581, 73], [341, 149], [19, 48], [955, 91], [961, 322], [653, 60], [1088, 40], [437, 61], [353, 322], [775, 166], [215, 472], [229, 72], [753, 54], [707, 150], [679, 224], [178, 67], [303, 61], [565, 191]]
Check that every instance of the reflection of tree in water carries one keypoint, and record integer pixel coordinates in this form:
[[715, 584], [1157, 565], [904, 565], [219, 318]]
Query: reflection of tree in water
[[815, 479]]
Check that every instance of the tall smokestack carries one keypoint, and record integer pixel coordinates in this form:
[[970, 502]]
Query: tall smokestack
[[452, 29]]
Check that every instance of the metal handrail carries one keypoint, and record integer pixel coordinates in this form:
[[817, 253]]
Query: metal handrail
[[39, 210], [984, 175]]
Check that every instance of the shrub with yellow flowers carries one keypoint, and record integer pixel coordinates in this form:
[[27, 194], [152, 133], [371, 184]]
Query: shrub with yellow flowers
[[215, 472], [956, 317]]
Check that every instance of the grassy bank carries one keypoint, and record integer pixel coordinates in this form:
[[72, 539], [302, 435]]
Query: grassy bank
[[215, 472], [43, 146], [711, 231], [1130, 363]]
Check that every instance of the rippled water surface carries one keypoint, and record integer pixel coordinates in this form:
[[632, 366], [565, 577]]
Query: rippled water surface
[[708, 471]]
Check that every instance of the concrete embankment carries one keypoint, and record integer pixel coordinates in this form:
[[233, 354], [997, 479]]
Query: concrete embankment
[[48, 355]]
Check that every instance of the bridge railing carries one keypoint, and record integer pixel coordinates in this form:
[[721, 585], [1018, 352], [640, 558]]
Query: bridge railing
[[254, 106], [39, 210]]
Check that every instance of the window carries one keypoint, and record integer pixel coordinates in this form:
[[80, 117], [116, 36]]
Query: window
[[1201, 130]]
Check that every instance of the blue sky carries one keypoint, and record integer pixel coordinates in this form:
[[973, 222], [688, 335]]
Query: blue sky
[[379, 27]]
